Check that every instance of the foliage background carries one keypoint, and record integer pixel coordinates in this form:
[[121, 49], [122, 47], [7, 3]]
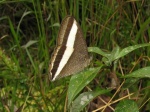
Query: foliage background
[[28, 33]]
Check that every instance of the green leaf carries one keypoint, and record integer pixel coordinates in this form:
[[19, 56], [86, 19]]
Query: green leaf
[[55, 25], [130, 82], [106, 61], [106, 56], [140, 73], [83, 99], [143, 27], [22, 18], [31, 42], [129, 49], [110, 58], [98, 51], [78, 82], [127, 106], [115, 52]]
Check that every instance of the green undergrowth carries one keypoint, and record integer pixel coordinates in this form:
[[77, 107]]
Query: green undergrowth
[[117, 34]]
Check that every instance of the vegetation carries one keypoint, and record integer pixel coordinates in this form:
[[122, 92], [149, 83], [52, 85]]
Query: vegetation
[[118, 78]]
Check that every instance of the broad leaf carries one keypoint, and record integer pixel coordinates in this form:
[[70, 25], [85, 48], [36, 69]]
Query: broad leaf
[[127, 106], [83, 99], [130, 82], [115, 52], [108, 58], [78, 82], [98, 51], [129, 49], [140, 73]]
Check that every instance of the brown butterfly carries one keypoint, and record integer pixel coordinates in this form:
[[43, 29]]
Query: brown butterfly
[[70, 55]]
